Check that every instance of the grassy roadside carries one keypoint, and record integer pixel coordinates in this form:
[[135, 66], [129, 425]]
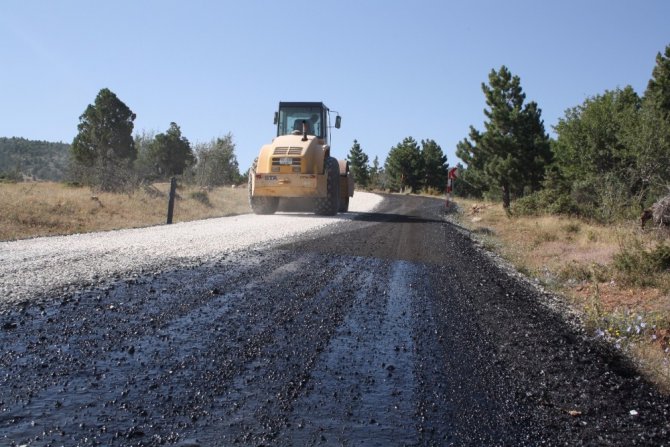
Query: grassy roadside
[[608, 274], [48, 209]]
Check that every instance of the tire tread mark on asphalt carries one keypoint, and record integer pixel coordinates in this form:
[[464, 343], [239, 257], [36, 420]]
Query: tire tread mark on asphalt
[[363, 385], [254, 405]]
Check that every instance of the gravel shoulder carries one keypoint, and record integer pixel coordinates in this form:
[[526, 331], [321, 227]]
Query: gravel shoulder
[[35, 266]]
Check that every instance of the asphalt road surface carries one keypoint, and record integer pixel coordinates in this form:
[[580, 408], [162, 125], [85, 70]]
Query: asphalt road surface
[[387, 328]]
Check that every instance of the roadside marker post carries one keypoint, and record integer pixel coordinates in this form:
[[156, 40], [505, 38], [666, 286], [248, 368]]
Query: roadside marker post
[[173, 190], [453, 173]]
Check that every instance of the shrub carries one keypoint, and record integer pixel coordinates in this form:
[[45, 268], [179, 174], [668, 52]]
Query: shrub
[[545, 201], [638, 266], [202, 197], [572, 227]]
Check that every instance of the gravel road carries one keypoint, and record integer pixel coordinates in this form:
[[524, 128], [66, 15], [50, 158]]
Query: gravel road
[[383, 326]]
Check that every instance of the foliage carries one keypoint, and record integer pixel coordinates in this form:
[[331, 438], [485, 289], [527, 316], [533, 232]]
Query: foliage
[[545, 201], [103, 150], [377, 175], [637, 265], [39, 160], [217, 163], [651, 141], [435, 166], [12, 176], [202, 197], [513, 151], [613, 150], [470, 183], [358, 164], [591, 137], [658, 88], [171, 153], [145, 166], [404, 166]]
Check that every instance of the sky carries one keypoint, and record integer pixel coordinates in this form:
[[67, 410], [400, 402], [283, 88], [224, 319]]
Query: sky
[[392, 69]]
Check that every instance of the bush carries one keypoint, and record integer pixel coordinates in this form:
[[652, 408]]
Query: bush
[[638, 266], [545, 201], [11, 177], [202, 197]]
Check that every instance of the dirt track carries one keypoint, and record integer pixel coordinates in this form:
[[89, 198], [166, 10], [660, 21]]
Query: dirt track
[[392, 329]]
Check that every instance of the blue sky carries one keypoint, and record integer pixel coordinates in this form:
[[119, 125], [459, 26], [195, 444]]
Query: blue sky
[[392, 69]]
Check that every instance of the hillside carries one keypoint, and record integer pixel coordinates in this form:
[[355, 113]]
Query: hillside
[[41, 160]]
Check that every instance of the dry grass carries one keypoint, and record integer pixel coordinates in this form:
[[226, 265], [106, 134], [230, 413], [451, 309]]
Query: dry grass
[[577, 259], [47, 209]]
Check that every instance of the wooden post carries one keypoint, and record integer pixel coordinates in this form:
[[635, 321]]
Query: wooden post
[[173, 190]]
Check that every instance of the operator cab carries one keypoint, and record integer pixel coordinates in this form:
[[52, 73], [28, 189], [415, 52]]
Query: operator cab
[[313, 118]]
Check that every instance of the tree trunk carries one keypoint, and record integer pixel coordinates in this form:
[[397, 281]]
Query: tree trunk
[[505, 191]]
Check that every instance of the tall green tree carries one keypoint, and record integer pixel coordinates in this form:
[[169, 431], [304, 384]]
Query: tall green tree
[[404, 166], [596, 155], [103, 150], [474, 175], [144, 165], [171, 152], [658, 88], [653, 138], [514, 149], [435, 166], [358, 164], [217, 163], [375, 174], [591, 138]]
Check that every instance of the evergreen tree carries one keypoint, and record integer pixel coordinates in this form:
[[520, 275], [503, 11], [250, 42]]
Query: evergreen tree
[[103, 150], [358, 165], [145, 167], [375, 174], [658, 88], [435, 166], [514, 148], [597, 158], [652, 141], [404, 166], [591, 138], [171, 152], [474, 175], [217, 163]]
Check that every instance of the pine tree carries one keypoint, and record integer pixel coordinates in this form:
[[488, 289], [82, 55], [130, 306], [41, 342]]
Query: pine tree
[[652, 140], [217, 163], [103, 150], [375, 172], [435, 166], [171, 152], [404, 166], [358, 164], [658, 88], [514, 148]]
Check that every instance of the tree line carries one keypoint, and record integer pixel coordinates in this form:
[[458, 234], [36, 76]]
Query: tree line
[[409, 167], [31, 159], [106, 155], [610, 158]]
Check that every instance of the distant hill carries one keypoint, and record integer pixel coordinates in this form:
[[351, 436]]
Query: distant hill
[[41, 160]]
